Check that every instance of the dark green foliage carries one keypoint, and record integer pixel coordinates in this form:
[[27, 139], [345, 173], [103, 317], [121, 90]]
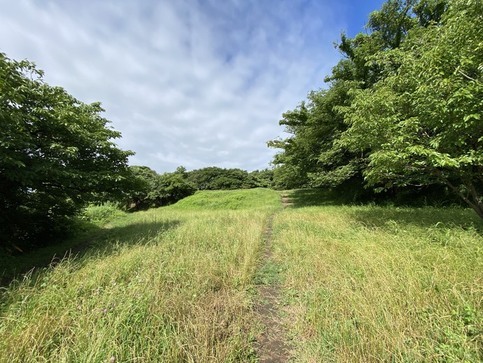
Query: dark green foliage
[[144, 181], [430, 11], [169, 188], [392, 22], [154, 190], [403, 108], [423, 121], [262, 178], [56, 155], [214, 178]]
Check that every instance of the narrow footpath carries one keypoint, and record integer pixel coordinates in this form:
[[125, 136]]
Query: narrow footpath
[[272, 345]]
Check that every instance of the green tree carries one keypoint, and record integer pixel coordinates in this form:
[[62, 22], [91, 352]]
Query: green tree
[[313, 155], [262, 178], [144, 181], [214, 178], [154, 190], [423, 122], [170, 188], [56, 155]]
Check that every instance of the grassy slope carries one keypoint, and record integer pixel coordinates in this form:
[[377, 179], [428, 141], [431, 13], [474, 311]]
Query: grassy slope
[[382, 284], [362, 284], [229, 200], [171, 284]]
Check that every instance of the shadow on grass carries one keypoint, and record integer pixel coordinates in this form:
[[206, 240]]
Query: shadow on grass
[[425, 217], [319, 197], [379, 214], [94, 241], [111, 238]]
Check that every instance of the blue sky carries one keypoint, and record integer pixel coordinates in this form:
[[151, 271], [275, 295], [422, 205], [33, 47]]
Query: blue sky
[[188, 82]]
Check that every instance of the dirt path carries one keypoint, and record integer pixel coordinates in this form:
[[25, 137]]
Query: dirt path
[[272, 344]]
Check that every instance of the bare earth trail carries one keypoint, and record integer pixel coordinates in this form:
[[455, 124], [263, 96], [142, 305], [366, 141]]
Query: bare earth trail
[[272, 344]]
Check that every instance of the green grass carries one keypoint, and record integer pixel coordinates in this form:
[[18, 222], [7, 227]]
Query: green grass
[[230, 199], [102, 214], [176, 284], [382, 284], [85, 231], [170, 284]]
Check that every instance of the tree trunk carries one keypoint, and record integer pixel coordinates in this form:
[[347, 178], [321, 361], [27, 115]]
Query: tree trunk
[[475, 202]]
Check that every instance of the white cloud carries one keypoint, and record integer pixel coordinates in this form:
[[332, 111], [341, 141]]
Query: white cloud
[[193, 83]]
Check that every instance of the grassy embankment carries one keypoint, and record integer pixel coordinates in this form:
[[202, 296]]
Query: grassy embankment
[[360, 284], [382, 284], [166, 285]]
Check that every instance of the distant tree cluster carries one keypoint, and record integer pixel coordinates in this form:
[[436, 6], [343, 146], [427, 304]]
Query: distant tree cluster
[[403, 110], [214, 178], [154, 190]]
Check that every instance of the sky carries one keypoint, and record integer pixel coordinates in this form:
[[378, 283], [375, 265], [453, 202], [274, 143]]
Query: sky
[[191, 83]]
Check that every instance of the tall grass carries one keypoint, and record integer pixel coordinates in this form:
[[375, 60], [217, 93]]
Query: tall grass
[[258, 198], [175, 284], [166, 285], [372, 284], [82, 231]]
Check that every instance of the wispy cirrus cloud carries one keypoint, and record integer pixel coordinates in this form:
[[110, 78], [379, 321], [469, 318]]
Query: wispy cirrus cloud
[[193, 83]]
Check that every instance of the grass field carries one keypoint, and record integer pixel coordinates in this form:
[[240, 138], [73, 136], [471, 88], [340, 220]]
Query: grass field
[[178, 284], [382, 284], [168, 285]]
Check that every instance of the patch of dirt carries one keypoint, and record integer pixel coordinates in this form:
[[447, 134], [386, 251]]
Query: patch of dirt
[[272, 345], [286, 201]]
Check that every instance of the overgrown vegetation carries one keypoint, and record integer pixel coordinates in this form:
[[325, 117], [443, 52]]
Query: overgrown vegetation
[[402, 110], [381, 284], [168, 284], [360, 283]]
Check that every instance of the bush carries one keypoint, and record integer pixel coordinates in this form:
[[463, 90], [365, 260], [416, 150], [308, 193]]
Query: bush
[[101, 214]]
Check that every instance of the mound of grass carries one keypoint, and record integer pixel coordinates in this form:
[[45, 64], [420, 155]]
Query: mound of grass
[[231, 199]]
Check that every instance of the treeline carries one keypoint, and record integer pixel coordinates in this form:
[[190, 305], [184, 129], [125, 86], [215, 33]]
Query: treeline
[[402, 112], [151, 189]]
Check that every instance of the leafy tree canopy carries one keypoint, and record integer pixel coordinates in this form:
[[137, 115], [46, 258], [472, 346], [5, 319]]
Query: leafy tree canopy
[[423, 122], [214, 178], [312, 155], [56, 154], [403, 106]]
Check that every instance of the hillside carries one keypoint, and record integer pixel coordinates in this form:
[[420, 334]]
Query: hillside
[[187, 283]]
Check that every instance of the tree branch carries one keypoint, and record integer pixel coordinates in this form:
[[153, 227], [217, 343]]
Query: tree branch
[[466, 76]]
